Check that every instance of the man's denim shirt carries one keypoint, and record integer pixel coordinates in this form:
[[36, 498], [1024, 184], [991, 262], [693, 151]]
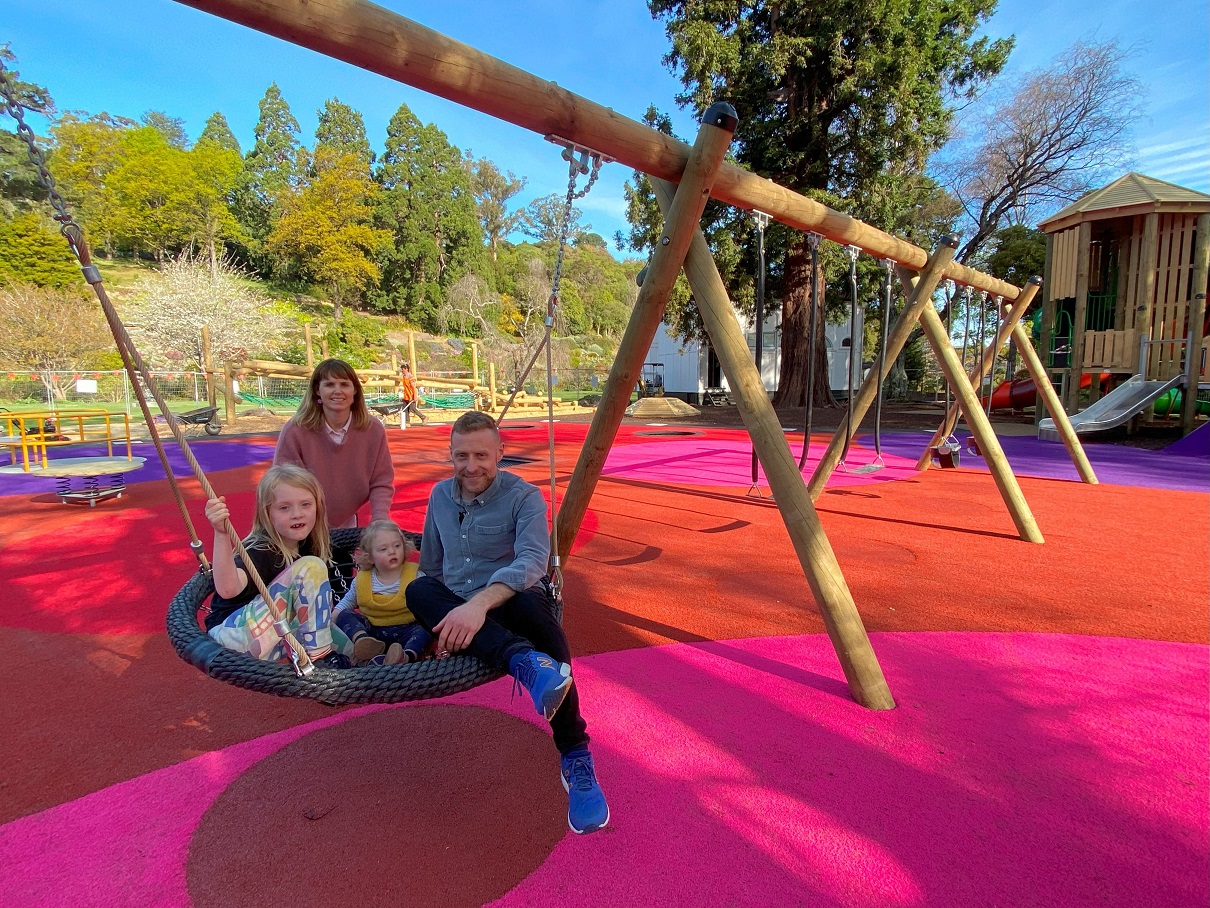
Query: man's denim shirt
[[501, 536]]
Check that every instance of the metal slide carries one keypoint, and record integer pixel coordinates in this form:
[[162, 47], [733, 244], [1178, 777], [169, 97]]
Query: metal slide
[[1117, 407]]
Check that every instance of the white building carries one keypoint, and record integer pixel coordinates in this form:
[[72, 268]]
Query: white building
[[690, 368]]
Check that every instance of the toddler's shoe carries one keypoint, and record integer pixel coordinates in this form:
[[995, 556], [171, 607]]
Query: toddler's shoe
[[366, 648], [546, 680], [333, 660], [394, 655]]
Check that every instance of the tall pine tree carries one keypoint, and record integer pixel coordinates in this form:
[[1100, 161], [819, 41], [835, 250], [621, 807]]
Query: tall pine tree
[[272, 168], [217, 132], [829, 97], [428, 207]]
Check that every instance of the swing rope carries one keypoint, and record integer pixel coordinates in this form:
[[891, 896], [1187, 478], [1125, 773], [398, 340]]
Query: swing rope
[[137, 371], [879, 462], [762, 221], [947, 454], [853, 253], [577, 158], [809, 406]]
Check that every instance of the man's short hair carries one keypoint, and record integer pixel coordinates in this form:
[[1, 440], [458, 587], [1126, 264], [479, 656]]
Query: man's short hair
[[474, 421]]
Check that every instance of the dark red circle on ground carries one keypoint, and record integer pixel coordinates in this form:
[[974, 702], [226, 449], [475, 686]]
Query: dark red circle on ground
[[388, 808]]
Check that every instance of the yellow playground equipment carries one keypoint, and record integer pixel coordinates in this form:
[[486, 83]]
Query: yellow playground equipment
[[33, 432]]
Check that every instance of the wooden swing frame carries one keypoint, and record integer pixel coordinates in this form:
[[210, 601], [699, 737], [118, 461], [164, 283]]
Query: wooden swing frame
[[375, 39]]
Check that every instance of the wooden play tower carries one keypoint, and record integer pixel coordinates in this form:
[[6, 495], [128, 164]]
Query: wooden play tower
[[1125, 287]]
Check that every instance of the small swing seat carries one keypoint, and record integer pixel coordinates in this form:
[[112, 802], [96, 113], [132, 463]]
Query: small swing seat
[[867, 468], [946, 455], [331, 687]]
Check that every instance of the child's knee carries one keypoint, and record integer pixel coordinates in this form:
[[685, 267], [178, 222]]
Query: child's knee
[[310, 569]]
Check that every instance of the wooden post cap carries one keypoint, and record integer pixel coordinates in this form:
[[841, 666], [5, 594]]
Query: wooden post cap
[[722, 115]]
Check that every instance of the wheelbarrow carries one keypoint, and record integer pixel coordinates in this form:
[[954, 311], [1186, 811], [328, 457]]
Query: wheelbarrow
[[207, 417]]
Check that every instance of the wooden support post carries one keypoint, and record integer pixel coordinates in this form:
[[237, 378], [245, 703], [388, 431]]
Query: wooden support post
[[229, 393], [475, 360], [1046, 329], [415, 366], [208, 368], [1075, 366], [394, 363], [323, 347], [989, 445], [491, 387], [310, 350], [1008, 321], [1197, 317], [840, 616], [713, 138], [919, 298], [1051, 402], [1148, 263]]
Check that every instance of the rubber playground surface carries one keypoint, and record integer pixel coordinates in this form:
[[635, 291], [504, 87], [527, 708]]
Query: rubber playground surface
[[1049, 746]]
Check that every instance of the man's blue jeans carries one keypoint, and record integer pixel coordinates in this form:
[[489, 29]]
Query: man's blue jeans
[[522, 623]]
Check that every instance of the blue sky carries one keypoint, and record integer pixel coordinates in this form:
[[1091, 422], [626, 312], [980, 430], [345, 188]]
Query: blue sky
[[130, 56]]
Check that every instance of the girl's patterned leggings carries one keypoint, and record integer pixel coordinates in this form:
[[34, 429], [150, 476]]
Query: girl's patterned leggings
[[302, 593]]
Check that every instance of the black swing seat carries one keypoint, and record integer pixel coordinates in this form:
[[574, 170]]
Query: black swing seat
[[332, 687], [947, 454]]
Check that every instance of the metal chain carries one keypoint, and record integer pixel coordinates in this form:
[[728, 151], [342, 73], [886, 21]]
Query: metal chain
[[575, 167], [70, 230]]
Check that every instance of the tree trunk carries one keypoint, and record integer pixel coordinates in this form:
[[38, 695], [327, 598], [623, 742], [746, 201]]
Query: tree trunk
[[796, 307], [337, 309]]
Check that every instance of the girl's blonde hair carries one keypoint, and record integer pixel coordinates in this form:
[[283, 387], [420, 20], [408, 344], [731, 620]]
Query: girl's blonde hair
[[262, 524], [364, 560], [310, 413]]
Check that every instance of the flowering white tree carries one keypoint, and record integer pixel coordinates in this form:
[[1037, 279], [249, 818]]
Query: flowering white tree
[[172, 306]]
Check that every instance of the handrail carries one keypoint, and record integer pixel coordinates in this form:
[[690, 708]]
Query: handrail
[[32, 430]]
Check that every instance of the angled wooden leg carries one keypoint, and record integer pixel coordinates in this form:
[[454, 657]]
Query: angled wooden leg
[[920, 297], [840, 615], [713, 138], [1007, 323]]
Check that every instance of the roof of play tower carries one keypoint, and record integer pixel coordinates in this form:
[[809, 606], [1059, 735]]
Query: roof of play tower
[[1134, 193]]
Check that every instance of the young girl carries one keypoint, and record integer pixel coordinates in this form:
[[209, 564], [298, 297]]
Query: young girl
[[374, 612], [289, 547]]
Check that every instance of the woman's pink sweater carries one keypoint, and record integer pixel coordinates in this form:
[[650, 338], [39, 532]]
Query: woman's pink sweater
[[352, 473]]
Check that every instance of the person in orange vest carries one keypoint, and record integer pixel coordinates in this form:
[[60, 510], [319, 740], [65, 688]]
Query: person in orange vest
[[407, 393]]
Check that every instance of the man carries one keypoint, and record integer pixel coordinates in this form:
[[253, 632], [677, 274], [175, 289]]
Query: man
[[407, 393], [485, 550]]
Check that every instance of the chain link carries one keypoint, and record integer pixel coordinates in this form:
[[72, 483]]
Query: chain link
[[575, 168], [70, 230]]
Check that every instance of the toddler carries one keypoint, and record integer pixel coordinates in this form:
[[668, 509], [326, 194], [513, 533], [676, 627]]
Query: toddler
[[374, 612]]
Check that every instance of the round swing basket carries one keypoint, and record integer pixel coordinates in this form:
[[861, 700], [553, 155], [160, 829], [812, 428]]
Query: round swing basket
[[332, 687]]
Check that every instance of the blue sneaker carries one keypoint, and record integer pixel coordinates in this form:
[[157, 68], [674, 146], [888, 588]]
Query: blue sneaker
[[546, 680], [586, 807]]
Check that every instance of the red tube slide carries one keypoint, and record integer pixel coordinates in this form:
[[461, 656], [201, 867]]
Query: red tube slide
[[1021, 393]]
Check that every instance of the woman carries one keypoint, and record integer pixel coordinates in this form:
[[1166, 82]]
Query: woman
[[334, 436]]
